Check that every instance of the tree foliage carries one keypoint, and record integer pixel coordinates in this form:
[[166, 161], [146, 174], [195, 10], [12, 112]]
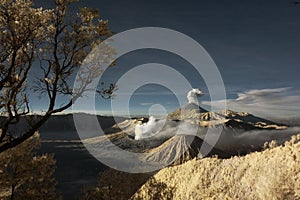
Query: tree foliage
[[113, 184], [56, 42], [25, 175]]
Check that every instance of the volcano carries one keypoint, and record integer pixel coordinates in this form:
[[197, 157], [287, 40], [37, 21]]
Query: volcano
[[228, 118]]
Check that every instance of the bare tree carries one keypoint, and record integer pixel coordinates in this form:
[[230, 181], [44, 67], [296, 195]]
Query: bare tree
[[59, 42]]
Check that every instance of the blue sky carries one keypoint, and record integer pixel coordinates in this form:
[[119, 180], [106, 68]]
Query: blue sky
[[255, 45]]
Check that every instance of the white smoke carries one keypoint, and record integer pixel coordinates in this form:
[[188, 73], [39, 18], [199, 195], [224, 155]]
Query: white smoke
[[149, 129], [162, 128], [193, 94]]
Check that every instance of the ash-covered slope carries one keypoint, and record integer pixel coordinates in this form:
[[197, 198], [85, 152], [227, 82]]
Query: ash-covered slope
[[181, 148]]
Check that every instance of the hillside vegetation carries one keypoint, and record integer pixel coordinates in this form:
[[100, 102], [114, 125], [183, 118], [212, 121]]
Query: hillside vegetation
[[271, 174]]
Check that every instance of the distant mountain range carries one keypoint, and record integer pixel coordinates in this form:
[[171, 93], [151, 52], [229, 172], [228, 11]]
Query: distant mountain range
[[63, 127], [120, 131]]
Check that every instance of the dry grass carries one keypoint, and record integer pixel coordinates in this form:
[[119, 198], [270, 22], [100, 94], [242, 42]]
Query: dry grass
[[271, 174]]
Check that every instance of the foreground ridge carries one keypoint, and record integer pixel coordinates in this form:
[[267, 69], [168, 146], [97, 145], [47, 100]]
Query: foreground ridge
[[271, 174]]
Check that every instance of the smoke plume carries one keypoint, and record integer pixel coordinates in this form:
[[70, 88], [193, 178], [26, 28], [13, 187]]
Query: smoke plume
[[193, 94]]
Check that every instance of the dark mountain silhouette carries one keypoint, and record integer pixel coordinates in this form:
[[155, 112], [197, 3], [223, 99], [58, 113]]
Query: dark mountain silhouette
[[62, 126]]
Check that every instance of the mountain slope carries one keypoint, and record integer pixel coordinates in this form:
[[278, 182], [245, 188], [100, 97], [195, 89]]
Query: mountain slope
[[179, 149]]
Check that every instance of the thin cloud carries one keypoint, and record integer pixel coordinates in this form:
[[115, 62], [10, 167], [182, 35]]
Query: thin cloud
[[265, 102], [146, 104]]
